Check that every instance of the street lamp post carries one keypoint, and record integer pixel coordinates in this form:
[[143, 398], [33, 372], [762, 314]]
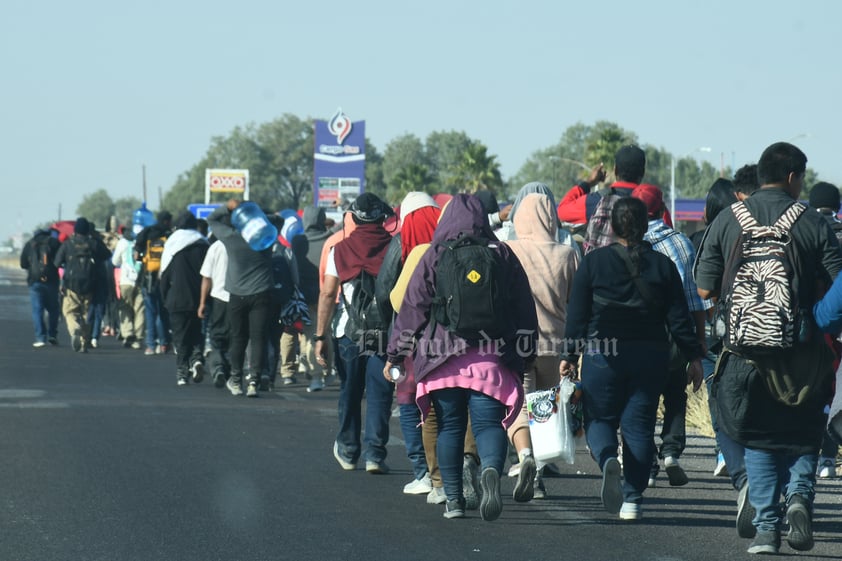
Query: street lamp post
[[673, 163]]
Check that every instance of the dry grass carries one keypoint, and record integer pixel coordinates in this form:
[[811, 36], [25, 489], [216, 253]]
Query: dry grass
[[698, 413]]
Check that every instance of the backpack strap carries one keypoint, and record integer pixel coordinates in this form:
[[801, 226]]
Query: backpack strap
[[643, 288], [788, 218], [743, 216]]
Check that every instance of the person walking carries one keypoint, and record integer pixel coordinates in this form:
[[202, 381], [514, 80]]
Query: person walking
[[38, 259], [616, 325], [181, 283], [213, 306], [132, 310], [780, 423], [148, 247], [468, 358]]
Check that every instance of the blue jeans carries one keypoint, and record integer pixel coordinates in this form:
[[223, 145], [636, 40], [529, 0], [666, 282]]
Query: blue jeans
[[44, 298], [623, 390], [772, 473], [410, 420], [452, 406], [361, 374], [157, 318]]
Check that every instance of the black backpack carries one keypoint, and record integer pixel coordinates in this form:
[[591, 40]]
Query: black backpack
[[470, 294], [40, 259], [79, 266], [366, 323]]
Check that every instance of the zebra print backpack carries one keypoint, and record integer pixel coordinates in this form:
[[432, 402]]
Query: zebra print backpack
[[760, 306]]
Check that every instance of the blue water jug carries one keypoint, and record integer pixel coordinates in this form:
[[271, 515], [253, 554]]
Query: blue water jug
[[253, 225], [141, 219]]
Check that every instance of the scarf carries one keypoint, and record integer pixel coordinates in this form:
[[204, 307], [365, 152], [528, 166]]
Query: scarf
[[363, 249], [418, 228]]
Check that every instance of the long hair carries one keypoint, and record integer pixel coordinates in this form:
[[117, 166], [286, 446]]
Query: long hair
[[630, 222], [720, 196]]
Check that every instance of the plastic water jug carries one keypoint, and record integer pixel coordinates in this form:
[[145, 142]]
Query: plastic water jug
[[253, 225], [142, 218]]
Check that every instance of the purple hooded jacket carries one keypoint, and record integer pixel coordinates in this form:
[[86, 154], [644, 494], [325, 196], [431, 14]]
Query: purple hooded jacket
[[412, 331]]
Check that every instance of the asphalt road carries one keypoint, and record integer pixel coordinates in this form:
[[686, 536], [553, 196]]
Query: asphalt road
[[104, 458]]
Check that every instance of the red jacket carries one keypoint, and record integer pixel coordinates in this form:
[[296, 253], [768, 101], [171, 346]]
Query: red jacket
[[572, 208]]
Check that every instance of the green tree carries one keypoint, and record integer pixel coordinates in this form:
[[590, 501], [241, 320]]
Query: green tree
[[402, 152], [97, 207], [444, 151], [478, 169], [413, 177], [374, 182], [285, 177], [124, 209]]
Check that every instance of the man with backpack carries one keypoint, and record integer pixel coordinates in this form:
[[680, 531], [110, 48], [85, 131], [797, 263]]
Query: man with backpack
[[359, 331], [81, 255], [766, 259], [148, 249], [38, 258]]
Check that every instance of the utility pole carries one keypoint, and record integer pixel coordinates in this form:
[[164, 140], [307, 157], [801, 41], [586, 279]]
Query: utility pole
[[144, 182]]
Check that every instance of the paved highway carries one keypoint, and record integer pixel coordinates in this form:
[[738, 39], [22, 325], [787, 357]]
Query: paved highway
[[104, 458]]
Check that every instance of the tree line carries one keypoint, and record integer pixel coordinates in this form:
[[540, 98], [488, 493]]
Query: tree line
[[279, 157]]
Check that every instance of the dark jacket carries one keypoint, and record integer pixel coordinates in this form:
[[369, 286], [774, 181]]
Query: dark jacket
[[249, 271], [30, 256], [390, 270], [181, 282], [746, 410], [605, 301], [98, 250]]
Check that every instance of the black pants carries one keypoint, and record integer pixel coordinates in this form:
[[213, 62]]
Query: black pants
[[187, 337], [219, 331], [249, 319]]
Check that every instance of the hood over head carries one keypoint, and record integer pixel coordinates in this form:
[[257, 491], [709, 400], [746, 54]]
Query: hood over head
[[536, 218], [532, 187], [313, 219], [463, 216]]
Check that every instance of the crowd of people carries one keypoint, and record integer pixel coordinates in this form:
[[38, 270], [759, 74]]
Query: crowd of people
[[463, 306]]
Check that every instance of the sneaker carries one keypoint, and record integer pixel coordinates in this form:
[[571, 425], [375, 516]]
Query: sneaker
[[454, 509], [436, 496], [198, 371], [612, 487], [39, 344], [265, 383], [219, 380], [525, 486], [540, 492], [136, 345], [630, 511], [419, 486], [675, 472], [162, 349], [490, 503], [53, 341], [470, 484], [149, 351], [251, 390], [800, 518], [827, 468], [234, 386], [514, 470], [766, 542], [721, 469], [346, 465], [182, 381], [653, 482], [745, 515], [317, 384], [94, 344], [76, 342], [289, 381], [376, 468]]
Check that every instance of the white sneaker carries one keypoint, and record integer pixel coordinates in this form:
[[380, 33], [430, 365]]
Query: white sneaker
[[514, 471], [437, 496], [39, 344], [721, 469], [198, 371], [419, 486], [94, 343], [675, 473], [827, 468], [630, 511]]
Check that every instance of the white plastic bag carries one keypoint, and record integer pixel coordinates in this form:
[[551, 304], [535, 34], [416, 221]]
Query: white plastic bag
[[550, 423]]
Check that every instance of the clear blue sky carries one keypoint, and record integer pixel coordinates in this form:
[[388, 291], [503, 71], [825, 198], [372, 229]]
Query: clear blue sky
[[94, 89]]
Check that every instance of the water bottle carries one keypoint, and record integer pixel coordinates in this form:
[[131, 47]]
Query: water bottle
[[142, 218], [397, 374], [253, 225]]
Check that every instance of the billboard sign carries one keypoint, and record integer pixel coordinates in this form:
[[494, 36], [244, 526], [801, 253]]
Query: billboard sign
[[338, 161], [232, 181]]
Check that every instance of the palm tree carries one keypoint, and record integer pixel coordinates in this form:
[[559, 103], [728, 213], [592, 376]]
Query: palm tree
[[478, 170], [414, 177]]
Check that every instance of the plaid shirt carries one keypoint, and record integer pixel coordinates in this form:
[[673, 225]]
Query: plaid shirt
[[678, 248]]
